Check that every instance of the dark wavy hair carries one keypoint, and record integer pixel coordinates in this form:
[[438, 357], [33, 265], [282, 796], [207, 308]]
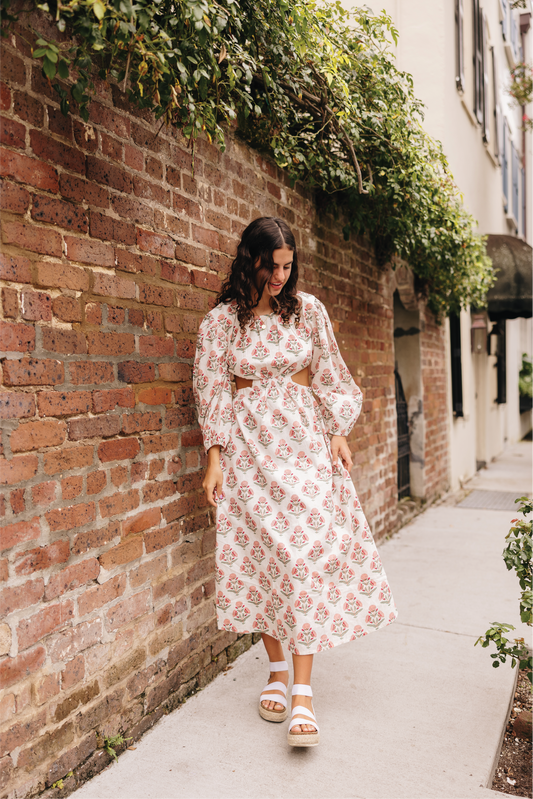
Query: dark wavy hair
[[259, 240]]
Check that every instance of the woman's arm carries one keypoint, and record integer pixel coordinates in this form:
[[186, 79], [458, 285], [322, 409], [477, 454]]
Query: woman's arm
[[212, 483]]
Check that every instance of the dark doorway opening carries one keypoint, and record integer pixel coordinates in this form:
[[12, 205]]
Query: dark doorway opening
[[404, 486]]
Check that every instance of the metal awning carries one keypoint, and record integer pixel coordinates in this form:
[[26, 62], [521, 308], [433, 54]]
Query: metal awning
[[511, 295]]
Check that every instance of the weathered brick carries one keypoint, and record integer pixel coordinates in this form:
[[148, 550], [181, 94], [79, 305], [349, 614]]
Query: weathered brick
[[67, 342], [189, 254], [71, 517], [113, 286], [88, 251], [58, 152], [175, 372], [95, 427], [15, 268], [67, 309], [155, 492], [101, 595], [47, 687], [31, 372], [90, 372], [176, 273], [66, 459], [21, 733], [155, 295], [10, 303], [71, 487], [28, 170], [94, 539], [67, 403], [15, 405], [125, 552], [154, 346], [29, 237], [130, 262], [191, 438], [72, 577], [79, 190], [179, 508], [41, 624], [110, 343], [34, 435], [60, 213], [73, 673], [42, 557], [143, 521], [155, 243], [14, 670], [62, 276], [123, 502], [5, 97], [16, 337], [118, 449], [127, 610], [46, 746], [67, 644], [18, 597], [108, 400], [44, 493], [140, 422], [159, 539], [96, 482], [18, 469], [108, 228], [109, 175], [161, 443], [78, 698], [13, 198], [135, 372], [155, 396]]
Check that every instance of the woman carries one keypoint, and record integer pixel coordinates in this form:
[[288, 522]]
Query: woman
[[295, 557]]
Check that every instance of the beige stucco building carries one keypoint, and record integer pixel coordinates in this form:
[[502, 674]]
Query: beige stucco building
[[460, 55]]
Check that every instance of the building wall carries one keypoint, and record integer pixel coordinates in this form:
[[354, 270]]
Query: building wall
[[113, 250], [427, 49]]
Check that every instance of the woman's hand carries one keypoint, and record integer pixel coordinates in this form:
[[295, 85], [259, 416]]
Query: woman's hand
[[339, 446], [212, 483]]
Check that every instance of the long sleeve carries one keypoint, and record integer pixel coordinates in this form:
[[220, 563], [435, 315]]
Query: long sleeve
[[340, 399], [211, 383]]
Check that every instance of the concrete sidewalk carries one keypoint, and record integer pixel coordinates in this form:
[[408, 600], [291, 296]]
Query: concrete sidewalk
[[415, 711]]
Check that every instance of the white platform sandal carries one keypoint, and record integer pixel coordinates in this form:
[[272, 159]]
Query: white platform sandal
[[301, 715], [280, 697]]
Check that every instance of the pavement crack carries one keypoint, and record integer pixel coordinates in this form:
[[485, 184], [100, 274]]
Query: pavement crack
[[434, 629]]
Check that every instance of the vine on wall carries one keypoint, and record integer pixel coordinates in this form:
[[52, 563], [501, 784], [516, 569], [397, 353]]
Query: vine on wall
[[311, 85]]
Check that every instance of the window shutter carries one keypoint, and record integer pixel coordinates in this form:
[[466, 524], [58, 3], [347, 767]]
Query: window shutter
[[456, 365], [478, 62], [504, 18], [485, 65], [515, 170], [459, 45], [497, 108], [505, 165]]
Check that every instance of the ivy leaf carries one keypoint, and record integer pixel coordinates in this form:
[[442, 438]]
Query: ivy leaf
[[49, 68]]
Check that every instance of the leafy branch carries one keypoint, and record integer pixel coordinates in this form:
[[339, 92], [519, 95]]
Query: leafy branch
[[517, 555], [308, 83]]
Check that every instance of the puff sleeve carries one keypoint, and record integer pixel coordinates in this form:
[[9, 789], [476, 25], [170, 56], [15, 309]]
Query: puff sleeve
[[211, 383], [340, 399]]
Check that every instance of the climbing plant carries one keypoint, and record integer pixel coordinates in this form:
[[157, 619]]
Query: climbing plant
[[517, 555], [306, 82]]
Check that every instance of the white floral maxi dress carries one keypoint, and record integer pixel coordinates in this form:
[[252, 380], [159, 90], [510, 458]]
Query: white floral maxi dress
[[295, 555]]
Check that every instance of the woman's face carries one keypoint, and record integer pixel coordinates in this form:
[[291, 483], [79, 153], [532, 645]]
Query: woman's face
[[282, 259]]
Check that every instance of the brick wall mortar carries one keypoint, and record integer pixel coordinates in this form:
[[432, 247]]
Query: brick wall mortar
[[112, 252]]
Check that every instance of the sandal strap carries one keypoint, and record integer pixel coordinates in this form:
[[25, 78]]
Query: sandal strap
[[301, 715], [276, 686], [278, 698], [279, 665], [299, 689]]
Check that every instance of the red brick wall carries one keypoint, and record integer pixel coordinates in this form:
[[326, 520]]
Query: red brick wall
[[112, 252], [432, 356]]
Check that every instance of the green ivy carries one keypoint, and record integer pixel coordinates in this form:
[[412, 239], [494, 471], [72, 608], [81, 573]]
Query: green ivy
[[307, 83]]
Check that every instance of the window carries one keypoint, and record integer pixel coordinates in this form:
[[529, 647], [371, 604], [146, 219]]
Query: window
[[515, 168], [459, 45], [478, 61], [504, 17], [457, 371], [505, 166], [485, 64]]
